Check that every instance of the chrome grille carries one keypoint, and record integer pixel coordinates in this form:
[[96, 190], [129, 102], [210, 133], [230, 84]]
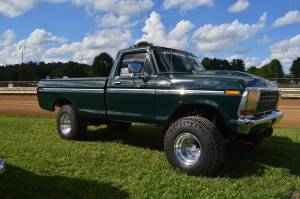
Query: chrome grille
[[268, 101]]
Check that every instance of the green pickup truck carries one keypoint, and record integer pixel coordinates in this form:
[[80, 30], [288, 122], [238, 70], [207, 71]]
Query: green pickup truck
[[196, 109]]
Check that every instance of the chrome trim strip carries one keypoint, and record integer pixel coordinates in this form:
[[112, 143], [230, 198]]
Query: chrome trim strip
[[163, 91], [263, 88], [79, 90], [189, 92], [131, 90]]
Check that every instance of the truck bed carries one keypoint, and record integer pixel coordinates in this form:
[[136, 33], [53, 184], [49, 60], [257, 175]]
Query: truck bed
[[87, 95]]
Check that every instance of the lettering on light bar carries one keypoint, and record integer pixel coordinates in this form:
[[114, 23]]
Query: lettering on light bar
[[232, 92]]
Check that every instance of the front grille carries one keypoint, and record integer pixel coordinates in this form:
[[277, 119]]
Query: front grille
[[268, 101]]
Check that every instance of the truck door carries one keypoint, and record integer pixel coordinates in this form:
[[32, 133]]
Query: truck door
[[131, 90]]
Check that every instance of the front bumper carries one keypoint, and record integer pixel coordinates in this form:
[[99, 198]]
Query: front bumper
[[245, 124], [2, 166]]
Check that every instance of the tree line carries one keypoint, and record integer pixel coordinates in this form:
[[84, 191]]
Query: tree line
[[102, 65], [34, 71]]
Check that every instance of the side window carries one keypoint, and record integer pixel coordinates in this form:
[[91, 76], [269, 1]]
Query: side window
[[163, 60], [132, 64]]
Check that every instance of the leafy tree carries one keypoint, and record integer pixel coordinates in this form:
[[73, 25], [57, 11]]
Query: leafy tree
[[253, 70], [271, 70], [215, 64], [32, 71], [237, 64], [206, 63], [102, 65], [27, 71], [142, 44], [275, 68], [295, 69], [73, 69]]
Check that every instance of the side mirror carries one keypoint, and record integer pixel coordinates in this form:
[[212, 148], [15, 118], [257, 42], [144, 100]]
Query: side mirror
[[2, 167]]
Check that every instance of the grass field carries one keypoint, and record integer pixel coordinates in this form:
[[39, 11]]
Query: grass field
[[120, 165]]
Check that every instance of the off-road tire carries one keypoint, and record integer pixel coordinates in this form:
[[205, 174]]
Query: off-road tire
[[78, 125], [119, 126], [211, 140]]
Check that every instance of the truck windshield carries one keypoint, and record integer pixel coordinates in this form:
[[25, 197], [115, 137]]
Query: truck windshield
[[175, 62]]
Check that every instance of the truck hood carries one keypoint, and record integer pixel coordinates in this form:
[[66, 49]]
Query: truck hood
[[220, 80]]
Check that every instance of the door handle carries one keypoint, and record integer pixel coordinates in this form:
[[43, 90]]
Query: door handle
[[116, 83]]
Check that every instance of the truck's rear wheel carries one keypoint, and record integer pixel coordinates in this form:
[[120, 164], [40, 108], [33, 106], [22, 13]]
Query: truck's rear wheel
[[119, 126], [194, 144], [69, 125]]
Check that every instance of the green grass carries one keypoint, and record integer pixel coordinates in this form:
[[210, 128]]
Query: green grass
[[133, 164]]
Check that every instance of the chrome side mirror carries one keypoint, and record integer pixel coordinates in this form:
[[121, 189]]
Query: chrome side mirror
[[2, 166]]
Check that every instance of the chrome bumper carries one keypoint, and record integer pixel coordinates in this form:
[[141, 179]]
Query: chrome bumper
[[2, 167], [245, 124]]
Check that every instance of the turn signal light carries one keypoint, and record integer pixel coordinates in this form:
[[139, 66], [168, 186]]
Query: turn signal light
[[246, 112], [232, 92]]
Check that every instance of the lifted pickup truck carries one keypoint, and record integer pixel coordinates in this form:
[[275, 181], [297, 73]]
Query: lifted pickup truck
[[198, 110]]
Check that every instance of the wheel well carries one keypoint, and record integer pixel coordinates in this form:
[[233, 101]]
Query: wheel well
[[61, 102], [206, 111]]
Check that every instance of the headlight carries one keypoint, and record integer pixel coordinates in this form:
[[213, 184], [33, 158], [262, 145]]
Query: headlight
[[249, 101]]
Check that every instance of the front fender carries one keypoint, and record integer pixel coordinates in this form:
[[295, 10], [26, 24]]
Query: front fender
[[225, 105]]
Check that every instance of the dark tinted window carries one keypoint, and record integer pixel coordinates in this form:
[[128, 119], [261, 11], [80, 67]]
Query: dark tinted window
[[177, 62], [163, 60]]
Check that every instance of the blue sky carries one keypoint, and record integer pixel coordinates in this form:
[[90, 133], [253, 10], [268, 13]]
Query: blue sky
[[62, 30]]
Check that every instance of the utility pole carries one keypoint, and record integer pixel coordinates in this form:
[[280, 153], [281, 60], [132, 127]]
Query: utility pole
[[22, 48], [80, 58]]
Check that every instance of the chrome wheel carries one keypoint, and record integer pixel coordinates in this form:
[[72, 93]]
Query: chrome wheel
[[65, 124], [187, 149]]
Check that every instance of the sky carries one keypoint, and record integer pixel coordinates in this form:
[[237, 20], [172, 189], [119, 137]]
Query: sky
[[256, 31]]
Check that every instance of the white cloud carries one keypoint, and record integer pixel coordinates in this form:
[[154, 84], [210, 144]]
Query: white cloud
[[35, 45], [239, 6], [289, 18], [287, 50], [111, 20], [186, 4], [42, 37], [122, 7], [249, 61], [155, 32], [14, 8], [265, 39], [7, 38], [108, 40], [44, 46], [211, 38]]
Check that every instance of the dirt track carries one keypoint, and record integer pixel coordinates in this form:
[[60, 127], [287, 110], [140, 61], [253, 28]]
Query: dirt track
[[27, 106]]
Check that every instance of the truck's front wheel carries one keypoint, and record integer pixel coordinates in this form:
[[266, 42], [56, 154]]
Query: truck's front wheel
[[69, 125], [194, 144]]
